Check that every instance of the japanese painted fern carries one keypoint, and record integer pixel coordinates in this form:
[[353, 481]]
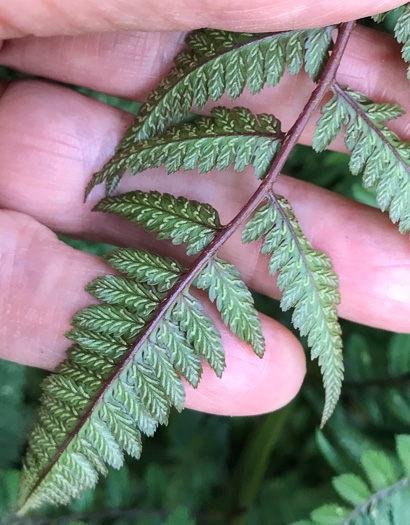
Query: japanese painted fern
[[124, 370]]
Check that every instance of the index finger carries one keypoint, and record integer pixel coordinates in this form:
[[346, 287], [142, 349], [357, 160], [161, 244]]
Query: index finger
[[52, 17]]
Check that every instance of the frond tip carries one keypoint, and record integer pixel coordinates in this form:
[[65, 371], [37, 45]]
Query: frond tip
[[309, 286]]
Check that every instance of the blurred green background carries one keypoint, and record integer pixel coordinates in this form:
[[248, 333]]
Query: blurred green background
[[205, 469]]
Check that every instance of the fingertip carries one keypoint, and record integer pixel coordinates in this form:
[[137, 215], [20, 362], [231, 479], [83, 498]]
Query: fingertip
[[250, 385]]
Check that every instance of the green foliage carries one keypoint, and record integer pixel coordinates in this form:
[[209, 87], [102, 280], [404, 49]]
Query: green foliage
[[389, 19], [402, 34], [342, 443], [178, 219], [227, 137], [381, 17], [390, 504], [180, 516], [377, 152], [133, 295], [215, 62], [309, 285]]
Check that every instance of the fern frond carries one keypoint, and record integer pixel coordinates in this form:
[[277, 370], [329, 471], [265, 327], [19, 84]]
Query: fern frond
[[124, 371], [402, 34], [309, 285], [390, 504], [377, 152], [184, 221], [227, 137], [225, 287], [218, 61]]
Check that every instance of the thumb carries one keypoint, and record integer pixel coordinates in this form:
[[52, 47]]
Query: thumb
[[56, 17]]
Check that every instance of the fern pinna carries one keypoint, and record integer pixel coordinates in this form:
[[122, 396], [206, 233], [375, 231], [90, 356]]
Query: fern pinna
[[124, 370]]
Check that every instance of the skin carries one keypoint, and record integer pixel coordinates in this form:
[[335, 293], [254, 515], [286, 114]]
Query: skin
[[52, 140]]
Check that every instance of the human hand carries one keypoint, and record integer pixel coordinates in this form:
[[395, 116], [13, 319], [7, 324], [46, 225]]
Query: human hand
[[52, 140]]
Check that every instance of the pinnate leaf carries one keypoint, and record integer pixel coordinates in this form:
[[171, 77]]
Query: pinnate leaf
[[390, 504], [379, 469], [184, 356], [352, 488], [200, 332], [121, 291]]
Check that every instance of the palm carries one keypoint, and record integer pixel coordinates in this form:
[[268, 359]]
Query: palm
[[52, 140]]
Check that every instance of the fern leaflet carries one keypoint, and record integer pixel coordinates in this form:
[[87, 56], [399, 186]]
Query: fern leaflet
[[135, 296], [200, 332], [232, 298], [379, 18], [144, 267], [377, 152], [218, 61], [227, 137], [178, 219], [309, 286]]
